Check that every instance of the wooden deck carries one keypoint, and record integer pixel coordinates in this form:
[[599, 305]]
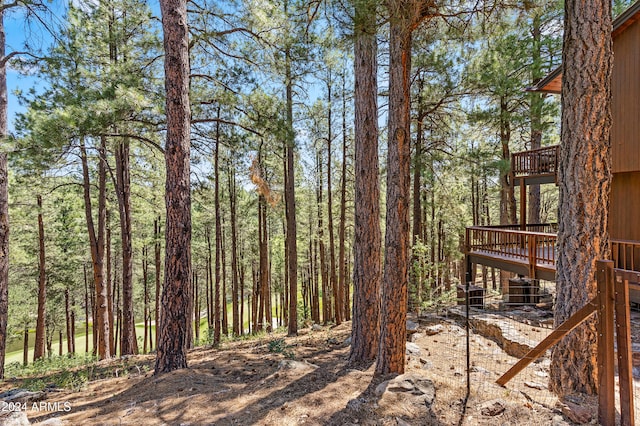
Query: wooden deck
[[533, 253], [528, 253]]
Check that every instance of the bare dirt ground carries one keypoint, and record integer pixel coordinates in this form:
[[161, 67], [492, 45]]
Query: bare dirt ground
[[275, 380]]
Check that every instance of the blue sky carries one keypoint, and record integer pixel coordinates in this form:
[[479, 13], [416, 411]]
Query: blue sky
[[17, 33]]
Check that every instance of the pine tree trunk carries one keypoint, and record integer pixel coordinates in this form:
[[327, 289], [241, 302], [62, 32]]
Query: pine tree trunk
[[225, 313], [4, 202], [86, 309], [391, 354], [584, 183], [333, 280], [196, 303], [157, 247], [109, 284], [367, 268], [129, 344], [236, 317], [25, 346], [537, 102], [69, 322], [342, 282], [290, 203], [145, 288], [38, 350], [263, 286], [97, 242], [176, 295], [218, 230]]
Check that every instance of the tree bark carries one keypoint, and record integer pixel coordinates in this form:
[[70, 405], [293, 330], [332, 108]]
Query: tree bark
[[342, 281], [176, 295], [218, 230], [97, 242], [109, 284], [584, 183], [367, 268], [158, 248], [236, 317], [290, 203], [4, 202], [129, 344], [25, 347], [391, 353], [38, 350], [333, 280], [537, 102]]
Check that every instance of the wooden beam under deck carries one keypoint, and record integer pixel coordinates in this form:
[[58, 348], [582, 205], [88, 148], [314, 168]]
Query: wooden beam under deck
[[517, 266]]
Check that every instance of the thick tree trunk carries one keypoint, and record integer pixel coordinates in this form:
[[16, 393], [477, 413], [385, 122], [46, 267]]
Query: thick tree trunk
[[4, 202], [584, 181], [367, 268], [176, 295], [129, 344], [391, 354], [38, 350]]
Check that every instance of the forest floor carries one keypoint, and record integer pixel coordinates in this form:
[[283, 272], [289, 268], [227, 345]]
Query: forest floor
[[277, 380]]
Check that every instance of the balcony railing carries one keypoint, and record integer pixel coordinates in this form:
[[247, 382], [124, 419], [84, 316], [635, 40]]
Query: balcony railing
[[534, 249], [537, 162], [626, 255]]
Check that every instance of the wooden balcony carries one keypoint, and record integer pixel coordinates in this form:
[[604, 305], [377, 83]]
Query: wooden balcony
[[536, 166], [529, 253]]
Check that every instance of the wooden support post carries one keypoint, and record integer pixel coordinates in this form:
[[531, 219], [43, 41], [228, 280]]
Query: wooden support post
[[625, 368], [606, 385], [523, 205]]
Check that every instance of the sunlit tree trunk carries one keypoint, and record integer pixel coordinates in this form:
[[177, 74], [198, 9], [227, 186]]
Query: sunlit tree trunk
[[584, 183], [176, 295], [367, 269]]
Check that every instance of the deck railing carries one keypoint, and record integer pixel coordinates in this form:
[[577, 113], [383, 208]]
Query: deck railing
[[626, 255], [533, 248], [537, 245], [542, 161]]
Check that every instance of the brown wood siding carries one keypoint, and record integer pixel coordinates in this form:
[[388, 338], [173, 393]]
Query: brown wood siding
[[625, 92], [624, 217]]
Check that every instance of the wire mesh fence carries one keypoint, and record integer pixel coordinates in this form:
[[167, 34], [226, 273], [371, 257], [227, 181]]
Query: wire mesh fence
[[486, 330]]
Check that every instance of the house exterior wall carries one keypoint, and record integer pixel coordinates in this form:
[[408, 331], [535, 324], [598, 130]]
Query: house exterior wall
[[625, 94], [624, 219]]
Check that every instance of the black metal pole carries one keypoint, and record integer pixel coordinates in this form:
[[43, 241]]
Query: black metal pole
[[468, 344]]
